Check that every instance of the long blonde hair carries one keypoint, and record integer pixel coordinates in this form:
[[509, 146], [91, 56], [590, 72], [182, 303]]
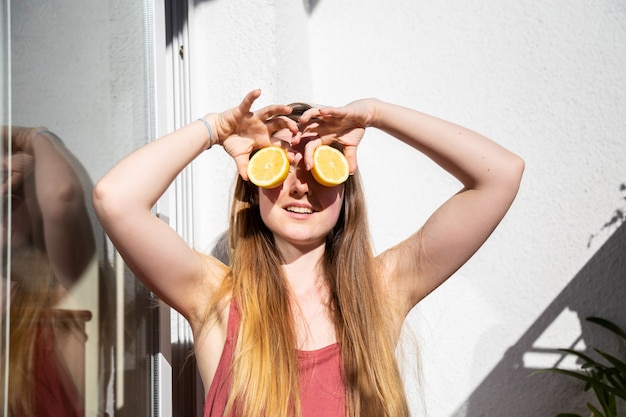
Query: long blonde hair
[[265, 365], [30, 299]]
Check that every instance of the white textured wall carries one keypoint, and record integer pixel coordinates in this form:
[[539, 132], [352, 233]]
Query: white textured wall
[[545, 79], [236, 47]]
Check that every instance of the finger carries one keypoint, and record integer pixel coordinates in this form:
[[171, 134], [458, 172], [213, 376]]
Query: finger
[[321, 128], [310, 125], [333, 112], [248, 100], [295, 139], [277, 141], [281, 122], [17, 178], [310, 114], [292, 157], [309, 148], [242, 165], [350, 153], [21, 164], [252, 96], [273, 110]]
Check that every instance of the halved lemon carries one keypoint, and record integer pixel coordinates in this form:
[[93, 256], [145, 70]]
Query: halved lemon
[[268, 167], [330, 166]]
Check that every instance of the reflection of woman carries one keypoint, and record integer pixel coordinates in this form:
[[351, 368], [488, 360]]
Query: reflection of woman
[[304, 321], [51, 243]]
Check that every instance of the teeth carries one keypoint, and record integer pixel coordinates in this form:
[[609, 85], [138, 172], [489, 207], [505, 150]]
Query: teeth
[[301, 210]]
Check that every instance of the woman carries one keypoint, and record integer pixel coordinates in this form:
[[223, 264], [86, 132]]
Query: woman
[[50, 240], [304, 320]]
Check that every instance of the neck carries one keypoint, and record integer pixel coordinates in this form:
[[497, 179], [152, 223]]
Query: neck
[[301, 266], [314, 326]]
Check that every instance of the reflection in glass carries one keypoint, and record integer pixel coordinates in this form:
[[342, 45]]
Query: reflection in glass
[[51, 245], [78, 330], [4, 117]]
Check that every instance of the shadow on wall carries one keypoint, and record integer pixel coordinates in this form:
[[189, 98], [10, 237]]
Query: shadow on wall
[[308, 4], [599, 289], [176, 11]]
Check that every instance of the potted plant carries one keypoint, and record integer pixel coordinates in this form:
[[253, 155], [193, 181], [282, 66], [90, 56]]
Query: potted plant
[[607, 378]]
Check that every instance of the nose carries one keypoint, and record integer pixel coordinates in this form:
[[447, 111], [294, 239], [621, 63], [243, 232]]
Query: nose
[[299, 177]]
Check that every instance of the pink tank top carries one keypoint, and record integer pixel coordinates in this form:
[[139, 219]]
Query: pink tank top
[[55, 391], [322, 389]]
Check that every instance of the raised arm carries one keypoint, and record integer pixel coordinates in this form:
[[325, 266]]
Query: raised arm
[[490, 175], [123, 199], [61, 185], [49, 208]]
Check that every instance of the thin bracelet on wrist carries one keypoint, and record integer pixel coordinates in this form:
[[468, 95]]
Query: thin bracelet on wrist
[[208, 126], [47, 134]]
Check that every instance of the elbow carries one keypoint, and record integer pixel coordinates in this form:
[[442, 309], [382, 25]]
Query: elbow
[[511, 174], [62, 201], [503, 174], [105, 202], [517, 167]]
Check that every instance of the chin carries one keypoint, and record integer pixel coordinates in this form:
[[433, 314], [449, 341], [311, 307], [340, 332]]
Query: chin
[[299, 240]]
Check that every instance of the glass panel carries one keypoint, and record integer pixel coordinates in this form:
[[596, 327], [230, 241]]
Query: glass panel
[[81, 330], [4, 121]]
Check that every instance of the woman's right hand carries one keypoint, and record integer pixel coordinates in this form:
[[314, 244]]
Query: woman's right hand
[[22, 160], [241, 131]]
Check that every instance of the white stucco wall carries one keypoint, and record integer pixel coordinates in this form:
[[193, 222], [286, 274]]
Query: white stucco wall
[[544, 78]]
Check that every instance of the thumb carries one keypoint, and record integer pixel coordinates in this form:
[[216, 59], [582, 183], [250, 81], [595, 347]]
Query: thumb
[[242, 165], [350, 153]]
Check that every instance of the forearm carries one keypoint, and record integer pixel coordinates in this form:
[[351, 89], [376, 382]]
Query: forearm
[[473, 159]]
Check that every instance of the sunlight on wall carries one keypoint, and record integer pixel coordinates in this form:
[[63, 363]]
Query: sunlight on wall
[[564, 332]]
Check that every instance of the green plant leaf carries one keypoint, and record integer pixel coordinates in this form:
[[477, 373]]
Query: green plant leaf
[[608, 382], [615, 376], [619, 381], [618, 364], [608, 325], [596, 412], [613, 405], [588, 360], [604, 398], [594, 382], [616, 381]]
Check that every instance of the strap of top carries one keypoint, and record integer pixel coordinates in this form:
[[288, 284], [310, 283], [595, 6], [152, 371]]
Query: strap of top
[[216, 399]]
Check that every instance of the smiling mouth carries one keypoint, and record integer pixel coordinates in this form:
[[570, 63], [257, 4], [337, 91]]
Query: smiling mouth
[[300, 210]]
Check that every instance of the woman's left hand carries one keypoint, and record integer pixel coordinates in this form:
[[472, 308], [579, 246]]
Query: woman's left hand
[[344, 125]]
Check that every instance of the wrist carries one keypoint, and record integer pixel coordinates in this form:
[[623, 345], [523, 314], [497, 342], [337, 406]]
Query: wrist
[[25, 139], [210, 141], [373, 118], [219, 128]]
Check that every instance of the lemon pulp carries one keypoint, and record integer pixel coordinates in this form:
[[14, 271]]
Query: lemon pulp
[[330, 166], [268, 167]]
